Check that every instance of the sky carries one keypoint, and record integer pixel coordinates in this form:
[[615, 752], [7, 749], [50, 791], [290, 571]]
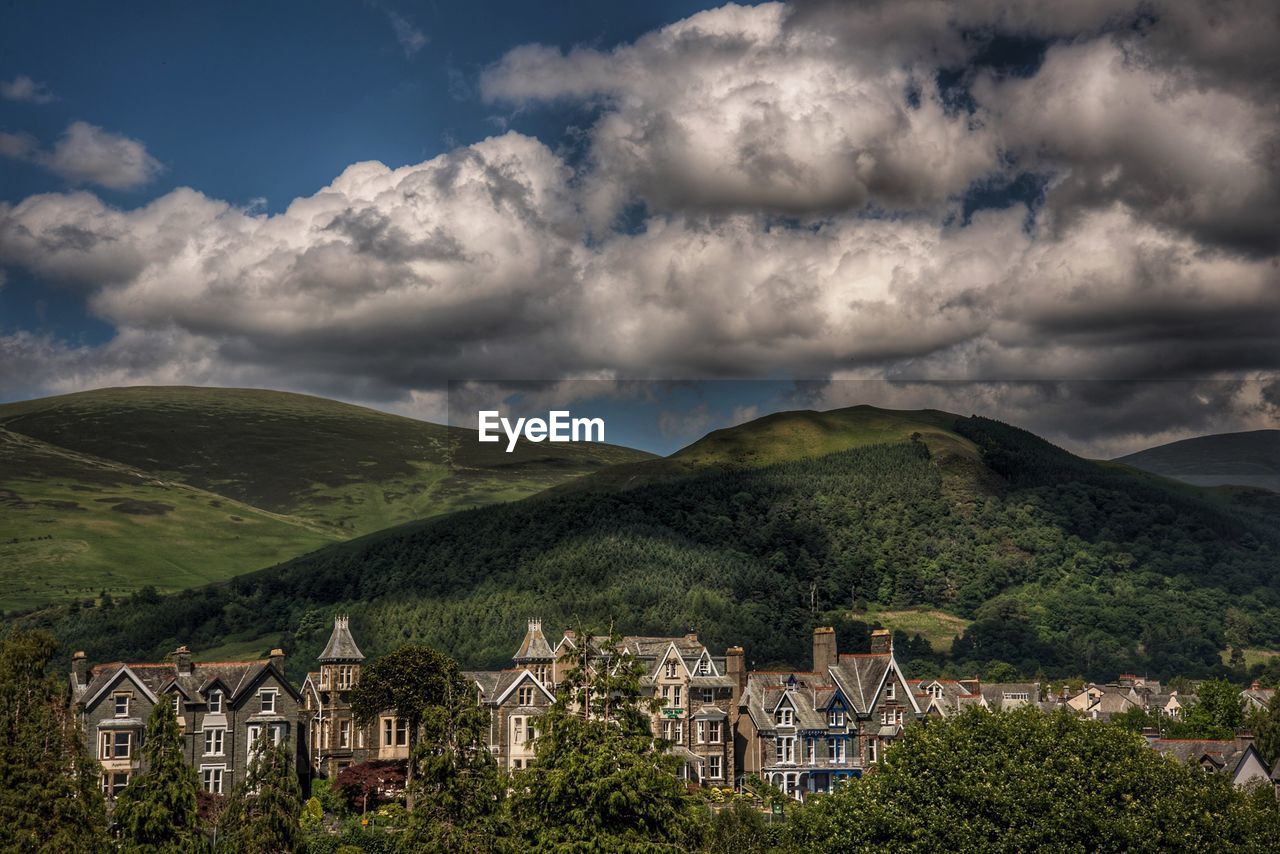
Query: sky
[[1066, 216]]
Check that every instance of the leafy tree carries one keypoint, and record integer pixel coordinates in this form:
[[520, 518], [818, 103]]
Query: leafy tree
[[599, 779], [366, 786], [413, 683], [262, 814], [50, 799], [1217, 713], [1266, 730], [158, 811], [738, 828], [1135, 719], [1023, 780]]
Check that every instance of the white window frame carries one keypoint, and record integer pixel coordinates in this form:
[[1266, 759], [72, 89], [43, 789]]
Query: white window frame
[[344, 733], [115, 705], [786, 716], [208, 778], [215, 741], [262, 700], [714, 729], [835, 718], [524, 695], [715, 768], [215, 702]]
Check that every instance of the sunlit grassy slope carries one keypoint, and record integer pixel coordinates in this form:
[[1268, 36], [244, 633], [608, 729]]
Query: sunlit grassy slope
[[172, 487]]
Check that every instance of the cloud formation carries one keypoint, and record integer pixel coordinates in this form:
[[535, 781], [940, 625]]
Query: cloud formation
[[805, 175], [87, 154], [23, 88]]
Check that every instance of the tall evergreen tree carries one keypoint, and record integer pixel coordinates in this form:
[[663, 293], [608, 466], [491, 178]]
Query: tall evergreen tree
[[262, 815], [600, 780], [50, 798], [1266, 730], [158, 811]]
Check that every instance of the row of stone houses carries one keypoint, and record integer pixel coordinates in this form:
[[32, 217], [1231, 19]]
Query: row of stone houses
[[804, 731]]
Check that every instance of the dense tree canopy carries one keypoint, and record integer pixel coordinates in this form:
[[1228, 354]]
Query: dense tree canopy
[[50, 798], [262, 815], [1024, 780]]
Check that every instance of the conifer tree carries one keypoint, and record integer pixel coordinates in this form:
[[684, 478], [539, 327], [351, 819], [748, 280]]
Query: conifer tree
[[50, 796], [158, 810], [600, 780], [262, 815]]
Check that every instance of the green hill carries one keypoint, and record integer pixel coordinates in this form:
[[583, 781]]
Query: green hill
[[1051, 562], [1238, 459], [172, 487]]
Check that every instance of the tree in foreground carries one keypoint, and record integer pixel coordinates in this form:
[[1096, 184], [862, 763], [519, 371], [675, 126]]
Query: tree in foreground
[[1217, 713], [262, 815], [158, 811], [50, 798], [1266, 730], [600, 781], [1023, 780], [410, 683]]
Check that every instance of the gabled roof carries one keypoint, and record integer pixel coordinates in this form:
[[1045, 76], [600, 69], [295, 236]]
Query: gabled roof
[[341, 646], [234, 678]]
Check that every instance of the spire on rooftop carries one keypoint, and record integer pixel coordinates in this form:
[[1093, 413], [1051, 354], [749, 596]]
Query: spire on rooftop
[[534, 647], [341, 647]]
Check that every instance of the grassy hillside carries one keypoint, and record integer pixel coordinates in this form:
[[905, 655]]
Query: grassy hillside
[[1053, 562], [1238, 459], [172, 487], [75, 525]]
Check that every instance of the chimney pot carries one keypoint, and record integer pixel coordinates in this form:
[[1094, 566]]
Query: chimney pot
[[80, 667], [182, 659], [881, 641], [277, 656], [691, 637], [825, 653]]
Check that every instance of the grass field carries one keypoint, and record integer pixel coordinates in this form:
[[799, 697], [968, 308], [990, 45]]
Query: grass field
[[937, 627], [173, 487]]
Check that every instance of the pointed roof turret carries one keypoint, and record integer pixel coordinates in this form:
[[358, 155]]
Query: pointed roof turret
[[534, 647], [341, 647]]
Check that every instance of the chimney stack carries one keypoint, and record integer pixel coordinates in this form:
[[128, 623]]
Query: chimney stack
[[691, 637], [881, 641], [182, 659], [277, 658], [735, 668], [824, 649], [80, 667]]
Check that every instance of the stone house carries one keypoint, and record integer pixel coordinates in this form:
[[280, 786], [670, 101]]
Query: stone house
[[697, 691], [335, 739], [223, 707], [806, 732]]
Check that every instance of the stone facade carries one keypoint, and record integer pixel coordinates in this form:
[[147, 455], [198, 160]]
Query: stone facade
[[223, 707]]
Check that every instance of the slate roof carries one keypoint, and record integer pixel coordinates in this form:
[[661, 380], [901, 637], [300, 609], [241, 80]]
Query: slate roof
[[809, 695], [1219, 755], [233, 677], [1259, 697], [858, 675], [995, 693], [341, 646], [957, 694]]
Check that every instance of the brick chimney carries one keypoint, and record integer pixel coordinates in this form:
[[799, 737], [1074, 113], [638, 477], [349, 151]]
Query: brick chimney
[[735, 667], [691, 637], [80, 667], [277, 658], [824, 648], [182, 659], [881, 641], [1244, 738]]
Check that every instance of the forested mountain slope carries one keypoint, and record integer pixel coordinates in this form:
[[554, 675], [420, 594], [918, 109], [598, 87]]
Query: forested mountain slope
[[1065, 565]]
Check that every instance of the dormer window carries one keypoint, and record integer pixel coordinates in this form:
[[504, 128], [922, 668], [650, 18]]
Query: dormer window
[[672, 672], [215, 702], [835, 718], [890, 691], [121, 705], [704, 667], [786, 716], [177, 705], [524, 695], [935, 691]]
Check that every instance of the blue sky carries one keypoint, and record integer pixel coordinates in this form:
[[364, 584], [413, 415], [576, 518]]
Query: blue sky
[[248, 101], [1064, 216]]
